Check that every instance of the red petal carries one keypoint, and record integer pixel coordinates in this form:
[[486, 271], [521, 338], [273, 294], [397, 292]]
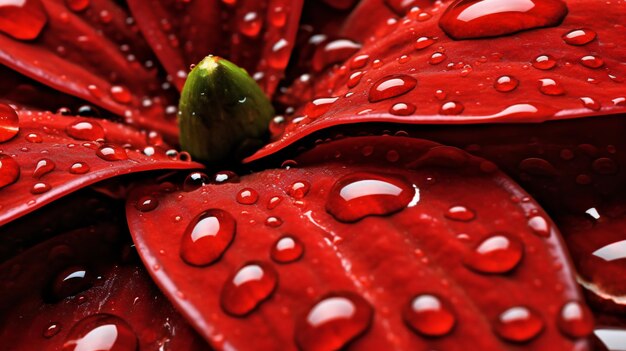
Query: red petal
[[94, 54], [257, 35], [43, 162], [417, 237], [103, 288], [463, 82]]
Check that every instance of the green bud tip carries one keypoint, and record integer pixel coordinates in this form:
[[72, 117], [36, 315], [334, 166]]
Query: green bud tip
[[223, 114]]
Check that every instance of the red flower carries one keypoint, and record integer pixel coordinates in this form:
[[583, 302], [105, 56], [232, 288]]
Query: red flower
[[389, 210]]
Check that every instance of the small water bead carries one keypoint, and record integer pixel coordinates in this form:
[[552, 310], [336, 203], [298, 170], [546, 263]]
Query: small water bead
[[248, 288], [579, 36], [437, 58], [112, 153], [365, 194], [604, 166], [273, 222], [519, 324], [392, 156], [9, 122], [146, 203], [423, 42], [539, 226], [359, 61], [319, 106], [120, 94], [575, 320], [77, 5], [377, 63], [460, 213], [333, 322], [79, 168], [87, 111], [498, 253], [466, 19], [247, 196], [544, 62], [40, 188], [298, 190], [391, 86], [404, 59], [402, 109], [354, 79], [85, 130], [22, 19], [273, 202], [51, 330], [207, 237], [428, 315], [250, 25], [195, 180], [69, 282], [33, 138], [43, 167], [451, 108], [101, 332], [223, 177], [550, 87], [279, 57], [287, 249], [9, 170], [590, 103], [591, 61], [504, 84]]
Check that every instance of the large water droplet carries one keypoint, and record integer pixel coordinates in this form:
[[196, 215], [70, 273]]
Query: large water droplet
[[69, 282], [298, 190], [248, 287], [498, 253], [402, 109], [451, 108], [250, 24], [364, 194], [550, 87], [207, 237], [112, 153], [22, 19], [85, 130], [120, 94], [9, 170], [195, 180], [247, 196], [460, 213], [544, 62], [428, 315], [466, 19], [9, 122], [40, 188], [101, 332], [504, 84], [579, 36], [519, 324], [391, 86], [79, 168], [575, 320], [43, 167], [333, 322], [287, 249], [539, 226], [319, 106]]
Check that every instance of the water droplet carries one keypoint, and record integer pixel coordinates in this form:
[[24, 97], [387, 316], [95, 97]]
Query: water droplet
[[519, 324], [333, 322], [79, 168], [248, 288], [87, 111], [539, 226], [43, 167], [496, 254], [279, 57], [579, 36], [550, 87], [428, 315], [423, 42], [273, 222], [273, 202], [195, 180], [605, 166], [207, 237], [333, 52], [9, 121], [77, 5], [437, 58], [591, 61], [287, 249], [22, 20], [466, 19], [359, 61], [354, 79], [364, 194], [147, 203], [319, 106], [402, 109], [40, 188], [451, 108], [247, 196], [590, 103], [112, 153], [34, 138], [120, 94], [9, 170], [460, 213], [504, 84], [52, 330], [544, 62], [85, 130], [101, 332], [298, 190], [69, 282], [250, 25], [391, 86], [575, 320], [225, 177]]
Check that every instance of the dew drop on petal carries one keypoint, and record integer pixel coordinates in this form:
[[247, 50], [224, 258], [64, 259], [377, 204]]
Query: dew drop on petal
[[460, 213], [147, 203], [112, 153], [40, 188], [77, 5], [504, 84], [287, 249], [428, 315], [364, 194], [120, 94], [519, 324], [247, 196], [79, 168], [9, 122], [498, 253], [548, 86], [9, 170], [451, 108], [579, 37], [195, 180], [298, 190], [544, 62], [22, 20], [69, 282], [101, 332], [248, 288], [85, 130], [207, 237], [51, 330], [333, 322], [43, 167], [391, 86], [402, 109], [539, 226], [575, 320]]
